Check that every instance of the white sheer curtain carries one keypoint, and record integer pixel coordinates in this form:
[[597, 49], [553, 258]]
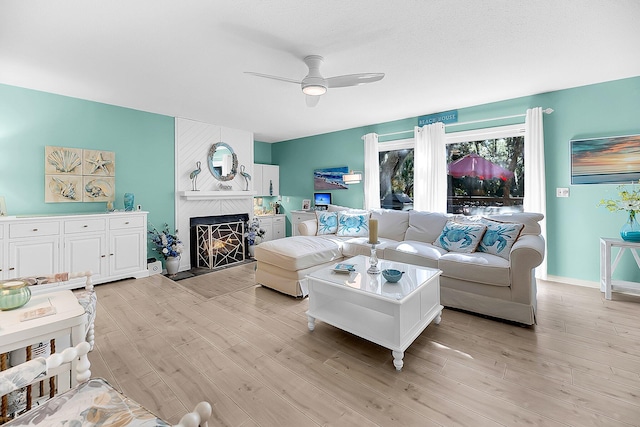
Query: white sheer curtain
[[535, 195], [371, 172], [430, 169]]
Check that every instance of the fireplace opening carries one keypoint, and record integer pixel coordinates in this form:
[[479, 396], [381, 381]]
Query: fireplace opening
[[218, 241]]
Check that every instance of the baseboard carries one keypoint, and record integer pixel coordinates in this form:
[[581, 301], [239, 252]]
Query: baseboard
[[572, 281]]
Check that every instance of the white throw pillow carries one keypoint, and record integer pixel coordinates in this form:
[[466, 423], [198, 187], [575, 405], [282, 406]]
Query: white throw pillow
[[457, 237], [499, 237], [353, 224], [327, 222]]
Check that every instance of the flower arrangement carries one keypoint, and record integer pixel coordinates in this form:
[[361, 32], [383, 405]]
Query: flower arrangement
[[167, 243], [629, 201], [254, 232]]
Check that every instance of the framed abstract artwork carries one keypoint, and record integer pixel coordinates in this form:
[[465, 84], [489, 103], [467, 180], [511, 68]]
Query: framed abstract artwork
[[610, 160]]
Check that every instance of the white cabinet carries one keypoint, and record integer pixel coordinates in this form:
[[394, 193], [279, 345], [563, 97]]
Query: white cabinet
[[267, 180], [113, 246], [297, 217], [273, 225]]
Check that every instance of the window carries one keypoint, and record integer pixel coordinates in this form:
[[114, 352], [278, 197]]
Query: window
[[489, 175], [396, 174]]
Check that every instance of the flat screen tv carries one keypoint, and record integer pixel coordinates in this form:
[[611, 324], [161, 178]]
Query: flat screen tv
[[321, 199]]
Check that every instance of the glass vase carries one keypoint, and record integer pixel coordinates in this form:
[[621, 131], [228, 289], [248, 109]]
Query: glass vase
[[128, 201], [630, 231]]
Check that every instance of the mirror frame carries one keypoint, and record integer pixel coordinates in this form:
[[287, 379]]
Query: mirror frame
[[234, 166]]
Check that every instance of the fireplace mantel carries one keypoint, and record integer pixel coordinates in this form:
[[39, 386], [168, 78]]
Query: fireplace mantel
[[216, 195]]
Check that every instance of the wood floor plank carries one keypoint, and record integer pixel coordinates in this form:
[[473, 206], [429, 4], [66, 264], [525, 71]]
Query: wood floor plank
[[247, 350]]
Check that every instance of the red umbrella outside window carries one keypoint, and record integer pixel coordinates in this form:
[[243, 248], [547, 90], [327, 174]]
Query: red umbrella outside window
[[479, 167]]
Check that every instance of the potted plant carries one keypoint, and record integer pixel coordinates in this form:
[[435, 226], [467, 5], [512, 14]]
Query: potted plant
[[169, 245], [254, 235], [629, 201]]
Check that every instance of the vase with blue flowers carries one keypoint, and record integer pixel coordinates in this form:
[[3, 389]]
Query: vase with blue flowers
[[169, 245], [254, 235], [629, 201]]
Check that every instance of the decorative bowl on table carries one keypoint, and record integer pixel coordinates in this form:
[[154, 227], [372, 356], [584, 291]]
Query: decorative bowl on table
[[392, 275], [14, 294]]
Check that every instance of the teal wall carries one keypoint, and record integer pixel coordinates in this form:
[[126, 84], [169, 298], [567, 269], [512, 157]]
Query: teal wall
[[575, 224], [144, 147], [262, 152], [143, 143]]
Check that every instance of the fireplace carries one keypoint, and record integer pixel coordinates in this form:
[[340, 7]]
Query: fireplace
[[217, 241]]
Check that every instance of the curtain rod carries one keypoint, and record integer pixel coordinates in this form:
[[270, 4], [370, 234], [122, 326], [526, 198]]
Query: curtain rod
[[546, 111]]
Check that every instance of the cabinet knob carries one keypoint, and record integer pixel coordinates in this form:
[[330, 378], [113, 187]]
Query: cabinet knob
[[85, 226], [103, 256], [35, 229], [11, 268], [126, 222], [110, 254]]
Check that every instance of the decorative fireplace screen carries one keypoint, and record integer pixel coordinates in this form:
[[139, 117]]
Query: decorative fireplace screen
[[220, 244]]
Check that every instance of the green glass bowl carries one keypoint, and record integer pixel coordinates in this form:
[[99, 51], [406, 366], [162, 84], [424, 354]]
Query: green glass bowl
[[14, 294]]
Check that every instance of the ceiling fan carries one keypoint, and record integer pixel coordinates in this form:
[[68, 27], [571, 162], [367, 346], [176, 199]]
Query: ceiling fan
[[314, 85]]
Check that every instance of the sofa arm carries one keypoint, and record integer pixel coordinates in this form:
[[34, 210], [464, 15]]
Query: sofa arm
[[526, 254], [308, 227]]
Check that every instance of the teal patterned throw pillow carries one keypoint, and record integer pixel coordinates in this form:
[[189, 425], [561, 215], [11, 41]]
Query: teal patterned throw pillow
[[499, 238], [327, 222], [353, 225], [457, 237]]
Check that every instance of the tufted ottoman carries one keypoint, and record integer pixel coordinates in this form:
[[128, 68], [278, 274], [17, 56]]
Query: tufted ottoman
[[284, 263]]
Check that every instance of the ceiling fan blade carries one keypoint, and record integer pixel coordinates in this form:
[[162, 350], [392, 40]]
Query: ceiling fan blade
[[267, 76], [312, 100], [354, 79]]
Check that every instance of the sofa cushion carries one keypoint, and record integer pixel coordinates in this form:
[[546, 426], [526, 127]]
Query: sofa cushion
[[327, 222], [477, 267], [392, 224], [353, 224], [499, 237], [425, 226], [413, 252], [457, 237], [360, 246], [529, 219], [298, 252]]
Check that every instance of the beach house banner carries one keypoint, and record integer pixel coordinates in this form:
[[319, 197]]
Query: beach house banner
[[444, 117]]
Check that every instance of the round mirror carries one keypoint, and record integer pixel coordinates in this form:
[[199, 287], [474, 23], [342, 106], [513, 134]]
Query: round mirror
[[223, 162]]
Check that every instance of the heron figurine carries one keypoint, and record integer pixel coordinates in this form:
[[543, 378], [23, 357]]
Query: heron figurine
[[246, 177], [194, 177]]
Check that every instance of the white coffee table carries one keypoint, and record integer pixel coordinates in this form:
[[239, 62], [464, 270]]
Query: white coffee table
[[389, 314]]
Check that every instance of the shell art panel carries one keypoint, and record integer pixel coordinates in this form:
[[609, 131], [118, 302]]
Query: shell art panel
[[98, 189], [62, 188], [98, 163], [62, 161]]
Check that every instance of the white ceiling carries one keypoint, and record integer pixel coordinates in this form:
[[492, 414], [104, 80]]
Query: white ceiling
[[186, 58]]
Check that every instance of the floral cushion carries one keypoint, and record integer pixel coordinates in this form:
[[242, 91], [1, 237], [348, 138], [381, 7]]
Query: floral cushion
[[353, 224], [499, 237], [327, 222], [93, 403], [457, 237]]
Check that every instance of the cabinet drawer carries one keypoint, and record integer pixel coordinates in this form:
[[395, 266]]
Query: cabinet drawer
[[278, 220], [84, 226], [34, 229], [126, 222]]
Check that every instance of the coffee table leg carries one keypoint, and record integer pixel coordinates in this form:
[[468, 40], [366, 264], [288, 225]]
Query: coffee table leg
[[311, 322], [397, 359]]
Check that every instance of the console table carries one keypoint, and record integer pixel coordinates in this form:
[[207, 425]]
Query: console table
[[607, 268]]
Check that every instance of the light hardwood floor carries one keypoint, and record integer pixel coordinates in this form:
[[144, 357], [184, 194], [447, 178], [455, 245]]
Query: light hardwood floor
[[248, 351]]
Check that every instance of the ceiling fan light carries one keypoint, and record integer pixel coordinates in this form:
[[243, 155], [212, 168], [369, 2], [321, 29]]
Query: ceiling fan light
[[314, 90]]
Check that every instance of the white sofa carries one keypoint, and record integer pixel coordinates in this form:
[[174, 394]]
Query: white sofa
[[497, 286]]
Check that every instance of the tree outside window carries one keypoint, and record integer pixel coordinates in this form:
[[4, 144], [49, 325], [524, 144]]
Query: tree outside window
[[488, 188], [396, 179]]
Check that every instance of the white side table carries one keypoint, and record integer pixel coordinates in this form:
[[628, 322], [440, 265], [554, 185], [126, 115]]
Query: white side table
[[606, 268]]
